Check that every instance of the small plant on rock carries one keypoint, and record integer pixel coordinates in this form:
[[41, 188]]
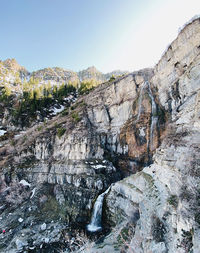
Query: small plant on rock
[[60, 132], [76, 117], [173, 201], [65, 112], [40, 128], [112, 78]]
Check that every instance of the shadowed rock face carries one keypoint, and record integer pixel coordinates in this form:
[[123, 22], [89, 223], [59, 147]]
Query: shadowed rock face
[[146, 117]]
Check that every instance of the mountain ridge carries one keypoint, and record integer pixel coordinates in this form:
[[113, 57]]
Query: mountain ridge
[[59, 74]]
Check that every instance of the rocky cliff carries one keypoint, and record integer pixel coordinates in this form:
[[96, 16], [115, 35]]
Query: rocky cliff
[[138, 134], [157, 209]]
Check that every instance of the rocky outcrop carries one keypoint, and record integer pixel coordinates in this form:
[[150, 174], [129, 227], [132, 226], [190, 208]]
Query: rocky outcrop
[[56, 74], [12, 64], [11, 73]]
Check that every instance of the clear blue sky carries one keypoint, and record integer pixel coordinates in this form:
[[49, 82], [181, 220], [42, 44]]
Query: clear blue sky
[[76, 34]]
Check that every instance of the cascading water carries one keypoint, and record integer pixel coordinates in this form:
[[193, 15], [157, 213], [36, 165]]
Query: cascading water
[[154, 116], [95, 224], [140, 100]]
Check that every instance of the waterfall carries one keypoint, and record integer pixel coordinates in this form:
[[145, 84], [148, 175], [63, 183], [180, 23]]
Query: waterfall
[[153, 103], [95, 224], [154, 116], [140, 100]]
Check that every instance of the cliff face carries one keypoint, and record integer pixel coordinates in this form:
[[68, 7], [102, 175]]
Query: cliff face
[[161, 201], [142, 129]]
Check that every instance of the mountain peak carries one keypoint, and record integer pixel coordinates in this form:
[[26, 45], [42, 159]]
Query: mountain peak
[[92, 67], [12, 64]]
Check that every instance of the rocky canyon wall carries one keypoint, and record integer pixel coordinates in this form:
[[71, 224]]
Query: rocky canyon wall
[[162, 201]]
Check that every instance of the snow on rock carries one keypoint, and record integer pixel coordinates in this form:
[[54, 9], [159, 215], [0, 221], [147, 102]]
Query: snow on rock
[[2, 132], [33, 193], [56, 110], [24, 183], [20, 220], [43, 226], [19, 134], [31, 248], [19, 244], [46, 240], [98, 166]]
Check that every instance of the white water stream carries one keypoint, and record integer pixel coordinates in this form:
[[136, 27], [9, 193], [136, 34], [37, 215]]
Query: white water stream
[[140, 100], [95, 224], [154, 116]]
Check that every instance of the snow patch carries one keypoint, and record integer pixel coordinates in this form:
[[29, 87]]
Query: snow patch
[[33, 193], [24, 183], [98, 166], [20, 220], [2, 132], [56, 110], [43, 226]]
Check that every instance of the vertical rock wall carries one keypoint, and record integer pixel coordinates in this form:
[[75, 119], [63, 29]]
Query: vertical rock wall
[[165, 194]]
